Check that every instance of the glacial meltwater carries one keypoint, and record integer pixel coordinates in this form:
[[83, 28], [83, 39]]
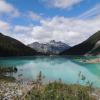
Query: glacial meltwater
[[54, 68]]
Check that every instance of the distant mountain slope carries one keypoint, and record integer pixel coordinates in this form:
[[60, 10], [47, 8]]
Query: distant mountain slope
[[90, 46], [12, 47], [51, 47]]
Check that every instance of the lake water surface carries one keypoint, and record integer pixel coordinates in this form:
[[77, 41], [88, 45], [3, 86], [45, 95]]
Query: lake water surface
[[54, 67]]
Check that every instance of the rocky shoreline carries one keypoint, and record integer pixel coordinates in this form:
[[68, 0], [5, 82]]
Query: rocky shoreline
[[14, 90], [96, 60]]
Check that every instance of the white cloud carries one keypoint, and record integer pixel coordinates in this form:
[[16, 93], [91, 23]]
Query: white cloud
[[4, 26], [8, 8], [69, 30], [34, 16], [62, 3], [22, 33], [24, 38], [22, 29]]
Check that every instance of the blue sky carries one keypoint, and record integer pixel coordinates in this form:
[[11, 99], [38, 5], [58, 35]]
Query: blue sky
[[40, 8], [44, 20]]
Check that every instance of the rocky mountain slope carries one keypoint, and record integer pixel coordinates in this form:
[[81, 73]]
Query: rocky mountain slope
[[51, 47]]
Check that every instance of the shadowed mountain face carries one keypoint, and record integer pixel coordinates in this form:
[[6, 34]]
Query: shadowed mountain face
[[12, 47], [51, 47], [90, 47]]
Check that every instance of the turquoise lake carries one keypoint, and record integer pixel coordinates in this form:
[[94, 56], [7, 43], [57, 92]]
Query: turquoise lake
[[54, 68]]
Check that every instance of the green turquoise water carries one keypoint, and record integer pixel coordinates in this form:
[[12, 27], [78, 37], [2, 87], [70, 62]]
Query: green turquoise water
[[54, 67]]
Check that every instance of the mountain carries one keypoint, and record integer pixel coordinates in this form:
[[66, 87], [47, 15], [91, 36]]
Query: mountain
[[89, 47], [12, 47], [51, 47]]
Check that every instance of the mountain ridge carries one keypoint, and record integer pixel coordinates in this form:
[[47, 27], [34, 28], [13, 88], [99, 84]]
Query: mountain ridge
[[51, 47]]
